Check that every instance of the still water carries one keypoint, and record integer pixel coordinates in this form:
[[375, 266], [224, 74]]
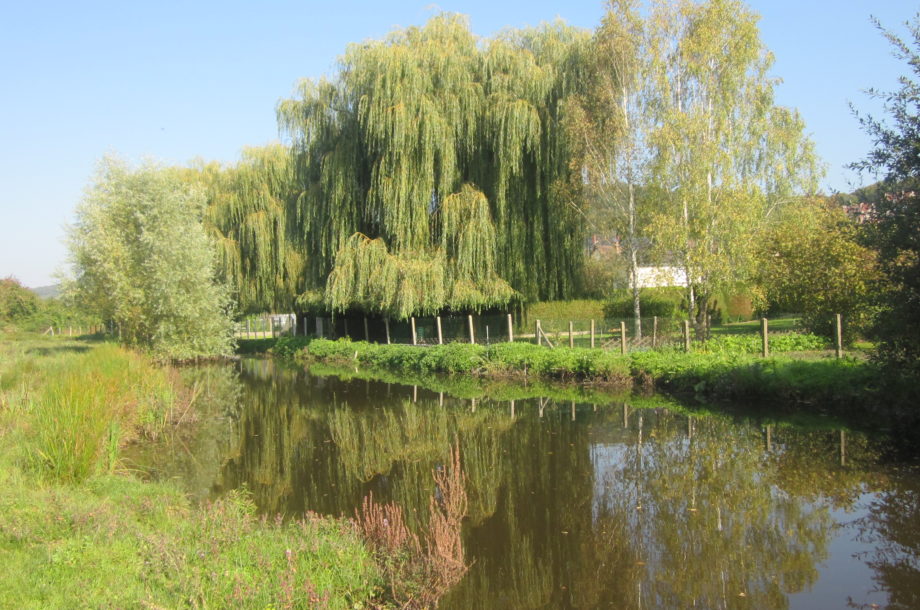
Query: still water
[[630, 504]]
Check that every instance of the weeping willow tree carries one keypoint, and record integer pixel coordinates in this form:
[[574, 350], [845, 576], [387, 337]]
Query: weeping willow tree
[[427, 171], [249, 218]]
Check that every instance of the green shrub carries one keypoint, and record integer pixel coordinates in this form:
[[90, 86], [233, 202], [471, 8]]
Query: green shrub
[[287, 347], [737, 307], [661, 302], [752, 343]]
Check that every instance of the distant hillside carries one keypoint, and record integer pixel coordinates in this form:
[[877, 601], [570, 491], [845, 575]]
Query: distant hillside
[[48, 292]]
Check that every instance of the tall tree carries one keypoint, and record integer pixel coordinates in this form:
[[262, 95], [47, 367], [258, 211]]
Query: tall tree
[[141, 259], [249, 215], [610, 124], [896, 230], [431, 160], [725, 155]]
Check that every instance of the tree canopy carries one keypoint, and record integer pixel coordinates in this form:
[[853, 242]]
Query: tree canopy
[[435, 170], [726, 156], [895, 226], [433, 162], [143, 261]]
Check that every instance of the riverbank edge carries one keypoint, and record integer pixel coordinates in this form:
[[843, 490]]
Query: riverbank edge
[[109, 538], [815, 383]]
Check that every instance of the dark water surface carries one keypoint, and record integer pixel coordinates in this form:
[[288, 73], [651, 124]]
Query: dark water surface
[[571, 505]]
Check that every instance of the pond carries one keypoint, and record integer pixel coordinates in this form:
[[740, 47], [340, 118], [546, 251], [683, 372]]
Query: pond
[[637, 503]]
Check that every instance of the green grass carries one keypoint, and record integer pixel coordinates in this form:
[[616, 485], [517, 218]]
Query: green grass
[[75, 529], [782, 324], [83, 403], [726, 368], [119, 542]]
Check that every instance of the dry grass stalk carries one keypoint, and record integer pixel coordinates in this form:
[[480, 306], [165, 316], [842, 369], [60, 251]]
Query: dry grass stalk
[[444, 542], [418, 579], [383, 526]]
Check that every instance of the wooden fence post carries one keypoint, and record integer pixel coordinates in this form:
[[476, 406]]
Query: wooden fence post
[[843, 447], [765, 334], [469, 319], [386, 326], [437, 320], [686, 335], [571, 334], [367, 334], [510, 329], [654, 332], [536, 333], [838, 335], [414, 338], [622, 337], [592, 333]]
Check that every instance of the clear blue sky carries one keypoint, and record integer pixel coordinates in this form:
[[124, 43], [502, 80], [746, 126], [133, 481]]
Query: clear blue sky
[[178, 80]]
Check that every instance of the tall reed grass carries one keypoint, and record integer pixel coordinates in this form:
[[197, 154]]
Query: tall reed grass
[[84, 406]]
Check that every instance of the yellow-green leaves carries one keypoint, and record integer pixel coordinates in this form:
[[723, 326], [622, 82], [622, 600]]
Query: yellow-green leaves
[[442, 146], [143, 261]]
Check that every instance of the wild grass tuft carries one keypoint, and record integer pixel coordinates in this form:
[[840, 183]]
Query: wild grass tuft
[[78, 407]]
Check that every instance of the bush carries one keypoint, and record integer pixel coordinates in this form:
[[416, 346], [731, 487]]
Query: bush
[[143, 259], [287, 347], [16, 302], [661, 302], [752, 344]]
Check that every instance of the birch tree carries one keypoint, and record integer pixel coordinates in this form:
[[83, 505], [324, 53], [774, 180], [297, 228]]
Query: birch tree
[[726, 157], [610, 124]]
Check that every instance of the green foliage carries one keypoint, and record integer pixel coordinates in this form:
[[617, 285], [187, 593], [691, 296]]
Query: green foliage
[[844, 383], [752, 343], [661, 302], [287, 347], [142, 259], [16, 301], [71, 530], [577, 309], [604, 272], [723, 368], [812, 262], [725, 153], [429, 163], [249, 215], [82, 407], [22, 309], [118, 542], [735, 307], [464, 358], [895, 228], [610, 123]]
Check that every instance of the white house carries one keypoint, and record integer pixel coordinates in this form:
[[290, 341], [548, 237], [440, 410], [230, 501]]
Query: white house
[[659, 277]]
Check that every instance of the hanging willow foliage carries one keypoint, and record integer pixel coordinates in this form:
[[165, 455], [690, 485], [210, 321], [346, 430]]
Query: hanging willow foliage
[[386, 156], [248, 216]]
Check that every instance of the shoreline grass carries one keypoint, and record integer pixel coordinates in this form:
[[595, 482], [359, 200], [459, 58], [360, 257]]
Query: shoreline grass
[[726, 369], [76, 531]]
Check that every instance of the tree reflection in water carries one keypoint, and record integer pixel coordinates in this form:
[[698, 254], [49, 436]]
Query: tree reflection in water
[[617, 507]]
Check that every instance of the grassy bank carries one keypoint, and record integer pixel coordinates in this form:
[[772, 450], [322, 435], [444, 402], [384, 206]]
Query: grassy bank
[[724, 369], [77, 531]]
